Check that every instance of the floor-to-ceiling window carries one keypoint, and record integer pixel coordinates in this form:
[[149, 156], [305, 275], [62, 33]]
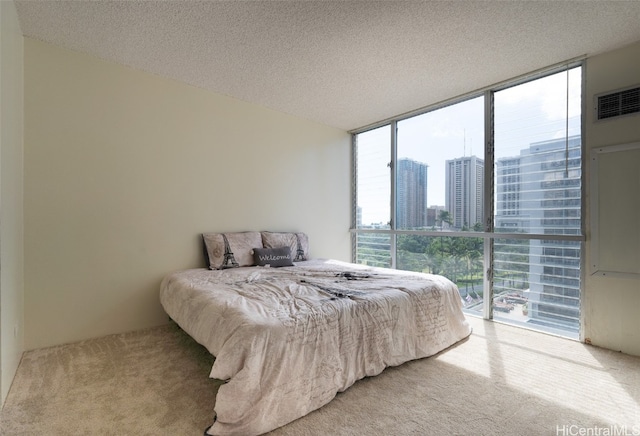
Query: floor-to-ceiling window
[[538, 172], [373, 211], [485, 190]]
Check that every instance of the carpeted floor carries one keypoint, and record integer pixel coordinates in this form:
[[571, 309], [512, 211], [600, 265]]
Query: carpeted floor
[[501, 381]]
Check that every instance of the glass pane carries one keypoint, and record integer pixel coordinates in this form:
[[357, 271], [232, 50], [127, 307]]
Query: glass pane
[[459, 259], [537, 284], [440, 169], [373, 181], [538, 156], [373, 249]]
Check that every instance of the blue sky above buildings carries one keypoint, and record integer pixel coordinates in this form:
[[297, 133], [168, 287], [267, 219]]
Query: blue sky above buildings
[[532, 112]]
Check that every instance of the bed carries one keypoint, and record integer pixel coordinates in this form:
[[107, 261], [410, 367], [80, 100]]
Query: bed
[[287, 339]]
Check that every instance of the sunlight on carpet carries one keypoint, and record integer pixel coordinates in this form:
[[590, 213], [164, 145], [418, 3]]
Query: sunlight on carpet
[[502, 380], [565, 372]]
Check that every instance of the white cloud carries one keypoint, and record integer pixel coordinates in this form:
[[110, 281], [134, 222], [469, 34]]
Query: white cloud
[[548, 94]]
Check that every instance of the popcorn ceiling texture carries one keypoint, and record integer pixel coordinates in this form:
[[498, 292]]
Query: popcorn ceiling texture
[[343, 64]]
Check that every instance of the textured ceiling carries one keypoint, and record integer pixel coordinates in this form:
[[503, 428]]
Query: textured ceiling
[[345, 64]]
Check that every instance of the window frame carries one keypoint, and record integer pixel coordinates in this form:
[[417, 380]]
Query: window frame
[[488, 234]]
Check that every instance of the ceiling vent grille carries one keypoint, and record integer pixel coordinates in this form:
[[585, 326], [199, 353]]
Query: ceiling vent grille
[[619, 103]]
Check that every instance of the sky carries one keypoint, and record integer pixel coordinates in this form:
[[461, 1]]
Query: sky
[[523, 114]]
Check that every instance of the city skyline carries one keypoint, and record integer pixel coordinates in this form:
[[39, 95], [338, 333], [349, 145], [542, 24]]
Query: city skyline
[[524, 114], [536, 190]]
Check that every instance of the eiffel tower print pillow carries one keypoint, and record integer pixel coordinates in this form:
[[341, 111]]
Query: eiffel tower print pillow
[[231, 250], [298, 242]]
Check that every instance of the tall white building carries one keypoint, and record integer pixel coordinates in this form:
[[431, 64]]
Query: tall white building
[[539, 191], [464, 188]]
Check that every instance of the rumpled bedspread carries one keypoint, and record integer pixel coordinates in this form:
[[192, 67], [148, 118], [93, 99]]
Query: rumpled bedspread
[[286, 340]]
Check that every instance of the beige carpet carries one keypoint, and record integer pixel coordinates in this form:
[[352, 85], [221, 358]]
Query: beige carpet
[[501, 381]]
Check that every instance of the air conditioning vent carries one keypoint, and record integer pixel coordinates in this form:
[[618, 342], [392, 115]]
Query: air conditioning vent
[[618, 103]]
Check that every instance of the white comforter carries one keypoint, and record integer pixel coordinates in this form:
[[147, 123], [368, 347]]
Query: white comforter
[[286, 340]]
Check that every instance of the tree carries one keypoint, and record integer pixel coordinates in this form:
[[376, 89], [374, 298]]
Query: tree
[[413, 243], [444, 217]]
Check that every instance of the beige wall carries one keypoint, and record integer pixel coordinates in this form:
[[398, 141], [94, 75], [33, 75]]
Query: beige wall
[[611, 304], [11, 215], [124, 170]]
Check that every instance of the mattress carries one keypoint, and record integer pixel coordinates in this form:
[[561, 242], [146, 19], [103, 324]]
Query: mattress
[[286, 340]]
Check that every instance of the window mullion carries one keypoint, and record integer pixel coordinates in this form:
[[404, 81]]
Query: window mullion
[[489, 158], [392, 166], [354, 196]]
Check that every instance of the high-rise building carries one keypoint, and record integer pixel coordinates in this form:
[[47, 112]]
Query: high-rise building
[[411, 194], [539, 192], [464, 187]]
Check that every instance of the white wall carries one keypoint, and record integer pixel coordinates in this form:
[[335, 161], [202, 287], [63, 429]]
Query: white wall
[[611, 304], [124, 170], [11, 185]]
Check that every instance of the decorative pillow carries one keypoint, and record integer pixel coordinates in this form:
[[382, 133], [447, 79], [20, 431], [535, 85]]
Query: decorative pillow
[[231, 250], [298, 242], [273, 257]]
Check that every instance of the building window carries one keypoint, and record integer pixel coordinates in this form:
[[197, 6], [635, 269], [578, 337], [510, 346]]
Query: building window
[[445, 199]]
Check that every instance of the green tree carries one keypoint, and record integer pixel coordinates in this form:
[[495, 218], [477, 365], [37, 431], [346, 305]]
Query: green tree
[[440, 254], [444, 217], [412, 252], [412, 243]]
